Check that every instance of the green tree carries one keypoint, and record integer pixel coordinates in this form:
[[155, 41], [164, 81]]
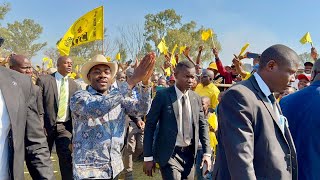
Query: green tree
[[4, 9], [168, 24], [305, 57], [21, 37]]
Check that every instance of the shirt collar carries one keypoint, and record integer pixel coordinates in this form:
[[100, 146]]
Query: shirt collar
[[59, 76], [263, 86], [179, 93], [93, 91]]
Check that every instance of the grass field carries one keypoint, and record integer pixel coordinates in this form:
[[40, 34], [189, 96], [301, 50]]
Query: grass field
[[137, 173]]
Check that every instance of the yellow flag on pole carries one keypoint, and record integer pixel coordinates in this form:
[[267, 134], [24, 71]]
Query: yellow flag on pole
[[182, 48], [45, 59], [108, 58], [50, 64], [173, 58], [87, 28], [243, 49], [76, 69], [163, 47], [205, 35], [118, 56], [306, 38]]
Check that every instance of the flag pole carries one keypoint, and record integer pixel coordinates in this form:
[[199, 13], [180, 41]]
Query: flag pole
[[214, 46]]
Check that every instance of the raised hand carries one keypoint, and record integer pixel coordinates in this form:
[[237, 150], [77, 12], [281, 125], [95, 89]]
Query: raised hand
[[187, 51], [314, 53], [200, 48], [144, 69], [215, 52]]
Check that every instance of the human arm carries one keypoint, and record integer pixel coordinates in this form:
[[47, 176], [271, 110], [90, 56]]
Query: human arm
[[237, 134], [223, 72], [199, 55], [204, 137], [36, 148], [239, 69], [150, 127], [186, 54]]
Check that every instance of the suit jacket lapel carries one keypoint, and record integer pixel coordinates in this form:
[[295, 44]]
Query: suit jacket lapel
[[266, 104], [55, 88], [174, 100], [193, 104], [11, 95]]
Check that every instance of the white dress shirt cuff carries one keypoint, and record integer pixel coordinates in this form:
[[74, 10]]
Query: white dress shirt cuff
[[146, 159], [207, 154]]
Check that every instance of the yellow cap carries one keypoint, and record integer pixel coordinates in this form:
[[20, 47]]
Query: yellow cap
[[213, 66]]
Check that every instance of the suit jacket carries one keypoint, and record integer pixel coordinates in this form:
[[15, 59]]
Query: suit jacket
[[48, 86], [26, 137], [301, 109], [164, 112], [251, 143]]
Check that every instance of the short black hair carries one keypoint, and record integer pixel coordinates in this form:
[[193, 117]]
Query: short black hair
[[281, 54], [308, 64], [184, 64]]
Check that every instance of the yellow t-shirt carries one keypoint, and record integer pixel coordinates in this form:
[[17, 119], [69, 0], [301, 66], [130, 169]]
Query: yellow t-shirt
[[210, 91], [213, 123]]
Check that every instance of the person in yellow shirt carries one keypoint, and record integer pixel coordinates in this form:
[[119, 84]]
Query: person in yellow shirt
[[207, 88]]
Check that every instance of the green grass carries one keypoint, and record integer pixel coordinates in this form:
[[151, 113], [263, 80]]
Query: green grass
[[137, 172]]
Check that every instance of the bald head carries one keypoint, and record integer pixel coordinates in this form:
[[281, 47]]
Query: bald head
[[208, 73], [277, 67], [206, 77], [21, 64], [279, 53], [64, 65]]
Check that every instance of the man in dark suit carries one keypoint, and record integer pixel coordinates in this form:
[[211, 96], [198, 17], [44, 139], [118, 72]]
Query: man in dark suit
[[21, 135], [23, 65], [57, 88], [254, 139], [178, 113]]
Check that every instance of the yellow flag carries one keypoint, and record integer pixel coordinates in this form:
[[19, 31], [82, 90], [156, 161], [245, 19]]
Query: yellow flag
[[168, 71], [243, 49], [118, 56], [108, 58], [173, 58], [87, 28], [76, 69], [182, 48], [306, 38], [163, 47], [205, 35], [73, 75], [45, 59], [50, 64]]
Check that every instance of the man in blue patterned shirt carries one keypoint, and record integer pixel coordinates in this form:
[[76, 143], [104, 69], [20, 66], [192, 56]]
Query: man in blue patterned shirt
[[99, 116]]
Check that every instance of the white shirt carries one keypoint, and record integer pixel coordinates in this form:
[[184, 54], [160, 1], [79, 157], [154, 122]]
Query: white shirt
[[4, 144], [59, 77], [180, 142], [266, 91]]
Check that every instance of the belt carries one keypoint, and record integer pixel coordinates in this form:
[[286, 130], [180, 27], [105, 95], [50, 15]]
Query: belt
[[182, 149]]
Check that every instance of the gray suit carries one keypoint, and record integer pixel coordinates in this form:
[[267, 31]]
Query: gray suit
[[251, 143], [164, 112], [58, 133], [26, 137]]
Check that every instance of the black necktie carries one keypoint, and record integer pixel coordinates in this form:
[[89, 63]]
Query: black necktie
[[186, 120]]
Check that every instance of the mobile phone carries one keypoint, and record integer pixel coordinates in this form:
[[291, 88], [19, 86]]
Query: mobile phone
[[253, 55], [129, 62], [1, 41]]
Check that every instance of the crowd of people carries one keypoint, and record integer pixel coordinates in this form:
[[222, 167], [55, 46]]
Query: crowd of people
[[189, 121]]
